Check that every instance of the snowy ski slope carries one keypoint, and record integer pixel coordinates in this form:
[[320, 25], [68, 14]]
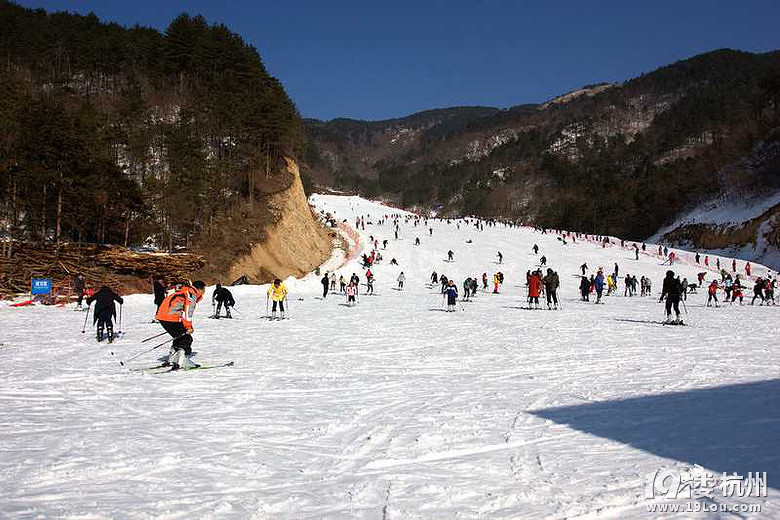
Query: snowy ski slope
[[393, 408]]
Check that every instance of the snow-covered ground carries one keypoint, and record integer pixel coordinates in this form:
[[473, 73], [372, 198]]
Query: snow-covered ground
[[730, 211], [393, 408]]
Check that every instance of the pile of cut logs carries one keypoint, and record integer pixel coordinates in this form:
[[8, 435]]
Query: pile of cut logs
[[101, 265]]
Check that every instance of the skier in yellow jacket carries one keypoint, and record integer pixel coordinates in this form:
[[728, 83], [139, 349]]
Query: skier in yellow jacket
[[278, 294]]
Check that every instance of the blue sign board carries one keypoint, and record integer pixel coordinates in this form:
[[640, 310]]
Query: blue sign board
[[40, 286]]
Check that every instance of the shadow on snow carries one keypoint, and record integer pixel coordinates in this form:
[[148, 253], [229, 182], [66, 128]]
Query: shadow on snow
[[726, 428]]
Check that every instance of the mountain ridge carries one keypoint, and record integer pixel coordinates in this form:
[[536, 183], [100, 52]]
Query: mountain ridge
[[623, 160]]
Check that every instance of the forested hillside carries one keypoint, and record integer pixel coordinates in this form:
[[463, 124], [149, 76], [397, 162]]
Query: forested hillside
[[130, 135], [620, 159]]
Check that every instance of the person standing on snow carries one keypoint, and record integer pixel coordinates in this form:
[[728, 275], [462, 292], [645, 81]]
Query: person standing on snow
[[598, 285], [758, 291], [222, 296], [79, 283], [585, 288], [105, 311], [451, 292], [401, 279], [450, 255], [278, 294], [534, 289], [536, 249], [728, 285], [443, 282], [769, 291], [159, 291], [496, 281], [351, 292], [712, 293], [325, 285], [737, 291], [551, 284], [466, 289], [500, 257], [175, 316], [671, 290], [434, 278], [484, 282]]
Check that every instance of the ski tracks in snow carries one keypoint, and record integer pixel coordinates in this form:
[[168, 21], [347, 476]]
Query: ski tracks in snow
[[384, 410]]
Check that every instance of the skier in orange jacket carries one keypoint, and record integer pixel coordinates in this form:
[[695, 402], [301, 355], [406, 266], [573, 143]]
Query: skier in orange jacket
[[175, 315]]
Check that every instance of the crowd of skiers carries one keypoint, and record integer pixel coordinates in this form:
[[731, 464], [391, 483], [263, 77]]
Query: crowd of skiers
[[176, 303]]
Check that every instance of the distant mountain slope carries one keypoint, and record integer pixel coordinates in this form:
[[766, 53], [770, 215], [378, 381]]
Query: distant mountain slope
[[623, 159]]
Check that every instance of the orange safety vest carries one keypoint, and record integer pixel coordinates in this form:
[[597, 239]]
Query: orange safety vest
[[180, 306]]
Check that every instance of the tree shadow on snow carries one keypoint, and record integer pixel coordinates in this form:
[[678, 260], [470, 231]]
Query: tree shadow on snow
[[725, 428], [436, 309]]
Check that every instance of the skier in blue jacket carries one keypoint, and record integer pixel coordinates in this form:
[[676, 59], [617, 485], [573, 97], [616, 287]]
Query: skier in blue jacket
[[598, 284], [451, 292]]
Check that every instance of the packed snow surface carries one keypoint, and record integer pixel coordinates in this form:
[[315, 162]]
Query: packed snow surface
[[393, 408]]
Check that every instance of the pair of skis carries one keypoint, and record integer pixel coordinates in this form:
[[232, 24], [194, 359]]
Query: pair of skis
[[164, 369]]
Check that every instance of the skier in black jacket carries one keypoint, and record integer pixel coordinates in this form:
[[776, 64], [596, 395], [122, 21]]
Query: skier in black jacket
[[105, 311], [672, 290], [325, 285], [79, 284], [585, 288], [159, 292], [223, 297]]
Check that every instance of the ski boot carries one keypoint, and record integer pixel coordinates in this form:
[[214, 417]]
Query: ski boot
[[100, 333], [110, 331], [180, 360]]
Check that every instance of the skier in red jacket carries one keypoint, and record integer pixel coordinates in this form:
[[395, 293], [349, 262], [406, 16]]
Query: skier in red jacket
[[534, 289]]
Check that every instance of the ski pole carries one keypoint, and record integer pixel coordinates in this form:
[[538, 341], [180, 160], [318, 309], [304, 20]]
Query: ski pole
[[266, 305], [120, 318], [163, 333], [153, 348], [84, 327]]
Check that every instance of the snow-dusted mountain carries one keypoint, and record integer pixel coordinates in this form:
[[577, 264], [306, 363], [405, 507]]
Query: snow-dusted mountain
[[626, 159]]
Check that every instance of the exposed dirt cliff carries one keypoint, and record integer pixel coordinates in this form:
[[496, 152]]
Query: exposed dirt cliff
[[293, 245]]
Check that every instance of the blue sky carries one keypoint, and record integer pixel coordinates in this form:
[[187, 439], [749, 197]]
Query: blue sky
[[375, 60]]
